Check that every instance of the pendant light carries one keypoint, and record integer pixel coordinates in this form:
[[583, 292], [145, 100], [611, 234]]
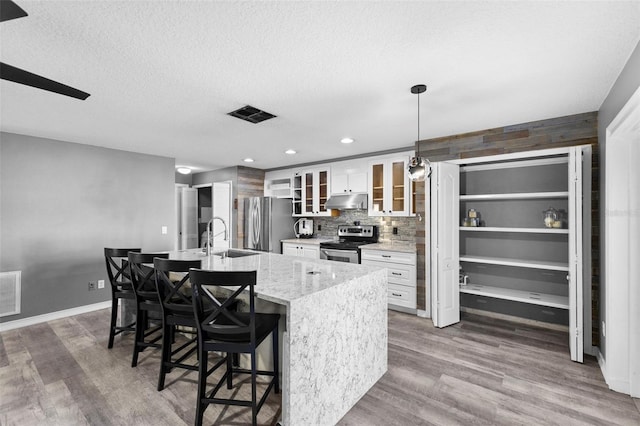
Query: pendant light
[[419, 168]]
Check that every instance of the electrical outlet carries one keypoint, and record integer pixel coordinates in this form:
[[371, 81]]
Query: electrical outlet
[[100, 284], [163, 230], [319, 228], [92, 285], [395, 230]]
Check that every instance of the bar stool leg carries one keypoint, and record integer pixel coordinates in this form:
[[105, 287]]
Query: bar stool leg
[[254, 393], [276, 367], [114, 316], [229, 371], [202, 387], [166, 354]]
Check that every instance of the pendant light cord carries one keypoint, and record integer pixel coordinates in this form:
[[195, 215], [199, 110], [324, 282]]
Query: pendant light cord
[[418, 141]]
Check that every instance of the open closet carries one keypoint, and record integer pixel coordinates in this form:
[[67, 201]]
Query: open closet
[[511, 235]]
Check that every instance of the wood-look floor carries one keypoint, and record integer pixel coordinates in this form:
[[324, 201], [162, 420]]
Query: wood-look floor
[[481, 371]]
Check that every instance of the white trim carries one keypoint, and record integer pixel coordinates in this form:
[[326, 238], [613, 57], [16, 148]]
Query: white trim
[[627, 116], [621, 296], [513, 156], [515, 196], [602, 363], [25, 322], [591, 350], [423, 314], [490, 165]]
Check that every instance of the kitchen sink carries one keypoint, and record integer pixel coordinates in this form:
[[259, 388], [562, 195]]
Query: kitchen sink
[[234, 253]]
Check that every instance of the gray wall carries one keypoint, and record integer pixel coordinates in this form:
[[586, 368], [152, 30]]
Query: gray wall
[[627, 83], [62, 203]]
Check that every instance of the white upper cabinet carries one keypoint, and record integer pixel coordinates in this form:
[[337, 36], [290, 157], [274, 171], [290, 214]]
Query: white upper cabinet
[[389, 187], [278, 184], [349, 177], [311, 192]]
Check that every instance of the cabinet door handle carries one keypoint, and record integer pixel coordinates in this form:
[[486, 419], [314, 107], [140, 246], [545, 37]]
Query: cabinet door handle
[[396, 294], [396, 273], [386, 255]]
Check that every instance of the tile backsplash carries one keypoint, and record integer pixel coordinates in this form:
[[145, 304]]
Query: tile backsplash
[[406, 225]]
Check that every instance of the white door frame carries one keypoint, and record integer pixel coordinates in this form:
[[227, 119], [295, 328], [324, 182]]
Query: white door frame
[[621, 361]]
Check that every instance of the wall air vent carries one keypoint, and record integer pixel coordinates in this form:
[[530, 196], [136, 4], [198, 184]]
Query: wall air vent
[[251, 114], [9, 293]]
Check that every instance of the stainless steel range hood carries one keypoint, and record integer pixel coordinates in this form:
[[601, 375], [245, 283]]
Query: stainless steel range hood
[[347, 202]]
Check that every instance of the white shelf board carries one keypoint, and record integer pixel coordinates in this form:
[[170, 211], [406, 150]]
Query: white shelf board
[[515, 196], [522, 263], [521, 230], [543, 299]]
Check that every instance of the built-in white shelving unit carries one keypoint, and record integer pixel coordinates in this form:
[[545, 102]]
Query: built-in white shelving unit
[[551, 300], [519, 263], [511, 263], [516, 196], [521, 230]]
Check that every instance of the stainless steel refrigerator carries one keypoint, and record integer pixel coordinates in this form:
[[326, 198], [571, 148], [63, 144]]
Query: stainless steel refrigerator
[[267, 220]]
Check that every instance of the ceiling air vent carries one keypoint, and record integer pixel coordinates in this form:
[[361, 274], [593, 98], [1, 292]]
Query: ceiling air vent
[[251, 114]]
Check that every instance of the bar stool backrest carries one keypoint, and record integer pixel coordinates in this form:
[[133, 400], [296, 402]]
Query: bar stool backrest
[[117, 263], [223, 321], [174, 295], [143, 274]]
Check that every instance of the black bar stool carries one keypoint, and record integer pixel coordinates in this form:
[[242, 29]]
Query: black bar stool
[[144, 286], [177, 310], [223, 330], [116, 260]]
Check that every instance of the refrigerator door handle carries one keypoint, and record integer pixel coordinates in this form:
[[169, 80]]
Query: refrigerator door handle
[[256, 219]]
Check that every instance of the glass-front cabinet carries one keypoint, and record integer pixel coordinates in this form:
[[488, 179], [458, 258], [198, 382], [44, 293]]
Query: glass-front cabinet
[[389, 187], [311, 192]]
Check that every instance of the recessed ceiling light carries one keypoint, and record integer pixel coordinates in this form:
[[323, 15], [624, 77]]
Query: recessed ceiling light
[[248, 160], [346, 140], [290, 151], [184, 170]]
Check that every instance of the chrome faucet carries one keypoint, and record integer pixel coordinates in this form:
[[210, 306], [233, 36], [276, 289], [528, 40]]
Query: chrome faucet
[[210, 237]]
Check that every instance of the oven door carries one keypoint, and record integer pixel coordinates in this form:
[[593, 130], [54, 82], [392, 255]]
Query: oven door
[[339, 255]]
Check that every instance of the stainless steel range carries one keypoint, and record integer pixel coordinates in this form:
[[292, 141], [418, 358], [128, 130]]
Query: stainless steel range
[[346, 248]]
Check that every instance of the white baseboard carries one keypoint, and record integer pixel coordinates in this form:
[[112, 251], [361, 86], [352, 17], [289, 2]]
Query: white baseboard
[[25, 322], [617, 385], [423, 314], [591, 350], [601, 363]]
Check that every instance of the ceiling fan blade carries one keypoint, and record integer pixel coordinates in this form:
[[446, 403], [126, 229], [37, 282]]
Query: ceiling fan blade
[[9, 10], [10, 73]]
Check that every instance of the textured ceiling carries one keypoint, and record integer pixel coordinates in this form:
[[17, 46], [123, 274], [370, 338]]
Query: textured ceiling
[[163, 74]]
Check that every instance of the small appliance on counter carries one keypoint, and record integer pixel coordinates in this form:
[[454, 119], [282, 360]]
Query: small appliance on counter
[[303, 228]]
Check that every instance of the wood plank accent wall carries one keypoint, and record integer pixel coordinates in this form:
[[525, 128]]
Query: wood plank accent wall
[[250, 184], [579, 129]]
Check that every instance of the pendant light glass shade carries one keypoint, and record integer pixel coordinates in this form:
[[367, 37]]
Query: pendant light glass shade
[[419, 168]]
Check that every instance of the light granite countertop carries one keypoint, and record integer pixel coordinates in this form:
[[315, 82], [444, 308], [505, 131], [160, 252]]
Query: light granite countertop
[[282, 279], [311, 241], [399, 246]]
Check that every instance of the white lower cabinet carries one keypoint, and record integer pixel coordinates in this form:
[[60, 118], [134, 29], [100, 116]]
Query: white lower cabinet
[[311, 251], [401, 273]]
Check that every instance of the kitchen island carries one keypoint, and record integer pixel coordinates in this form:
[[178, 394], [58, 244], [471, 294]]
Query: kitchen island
[[334, 347]]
